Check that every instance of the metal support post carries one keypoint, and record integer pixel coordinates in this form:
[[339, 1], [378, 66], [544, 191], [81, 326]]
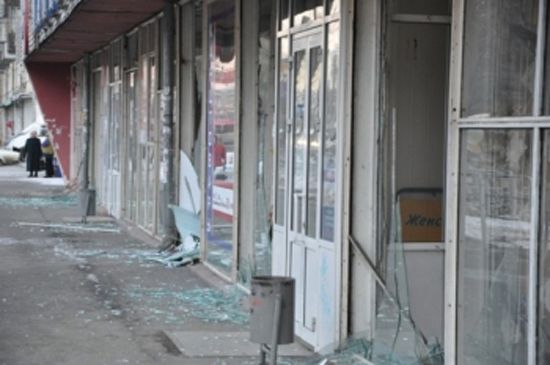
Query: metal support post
[[276, 328], [265, 350], [87, 195], [272, 348], [167, 175]]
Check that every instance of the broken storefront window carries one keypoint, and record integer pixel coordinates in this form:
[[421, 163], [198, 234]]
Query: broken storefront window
[[221, 119]]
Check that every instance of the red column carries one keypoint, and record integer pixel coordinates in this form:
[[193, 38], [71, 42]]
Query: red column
[[52, 86]]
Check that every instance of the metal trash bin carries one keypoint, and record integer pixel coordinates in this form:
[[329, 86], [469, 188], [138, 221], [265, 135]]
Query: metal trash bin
[[87, 202], [263, 302]]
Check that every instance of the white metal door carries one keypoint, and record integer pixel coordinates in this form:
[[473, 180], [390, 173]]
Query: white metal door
[[305, 249], [304, 177]]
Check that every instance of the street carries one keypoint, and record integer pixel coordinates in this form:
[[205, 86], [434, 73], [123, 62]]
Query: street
[[87, 294]]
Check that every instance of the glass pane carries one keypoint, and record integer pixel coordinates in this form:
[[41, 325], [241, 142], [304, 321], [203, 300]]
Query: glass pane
[[305, 11], [499, 57], [99, 132], [284, 14], [142, 190], [330, 134], [131, 163], [282, 101], [77, 107], [198, 159], [115, 125], [151, 140], [299, 142], [220, 133], [399, 338], [266, 74], [494, 220], [152, 130], [315, 120], [151, 191], [546, 80], [544, 297], [333, 6], [428, 7], [142, 139]]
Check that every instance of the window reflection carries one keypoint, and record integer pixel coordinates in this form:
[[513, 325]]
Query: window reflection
[[263, 208], [142, 139], [494, 236], [115, 117], [314, 143], [544, 304], [284, 14], [330, 136], [131, 146], [300, 142], [305, 11], [281, 131], [220, 133], [436, 7], [333, 6], [152, 140], [499, 57]]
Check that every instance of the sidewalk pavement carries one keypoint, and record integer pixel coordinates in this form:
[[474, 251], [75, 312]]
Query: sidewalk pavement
[[87, 294]]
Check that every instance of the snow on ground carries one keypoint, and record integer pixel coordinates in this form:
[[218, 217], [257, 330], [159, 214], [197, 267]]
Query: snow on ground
[[18, 173]]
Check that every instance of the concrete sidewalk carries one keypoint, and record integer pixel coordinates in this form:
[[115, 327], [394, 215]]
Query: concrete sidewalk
[[87, 294]]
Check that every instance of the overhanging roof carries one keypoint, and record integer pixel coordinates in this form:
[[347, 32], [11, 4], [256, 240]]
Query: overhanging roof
[[91, 25]]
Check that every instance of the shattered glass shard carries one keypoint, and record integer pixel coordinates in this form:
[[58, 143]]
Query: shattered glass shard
[[38, 202]]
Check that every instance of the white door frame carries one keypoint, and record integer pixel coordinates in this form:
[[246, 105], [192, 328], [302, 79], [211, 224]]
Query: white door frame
[[297, 240], [327, 312]]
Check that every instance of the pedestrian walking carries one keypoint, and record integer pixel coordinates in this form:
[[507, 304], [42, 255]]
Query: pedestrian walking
[[47, 151], [33, 151]]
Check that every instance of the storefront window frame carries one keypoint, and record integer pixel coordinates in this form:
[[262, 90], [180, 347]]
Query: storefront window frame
[[147, 113], [537, 123], [535, 152], [291, 28], [232, 274]]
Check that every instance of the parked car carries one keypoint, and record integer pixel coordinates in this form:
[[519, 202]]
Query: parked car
[[8, 157], [17, 142]]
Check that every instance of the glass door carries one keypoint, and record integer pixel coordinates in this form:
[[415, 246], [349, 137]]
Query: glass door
[[307, 166], [307, 85]]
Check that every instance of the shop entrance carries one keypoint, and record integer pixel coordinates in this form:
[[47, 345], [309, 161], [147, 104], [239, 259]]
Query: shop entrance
[[417, 49], [305, 155], [305, 231]]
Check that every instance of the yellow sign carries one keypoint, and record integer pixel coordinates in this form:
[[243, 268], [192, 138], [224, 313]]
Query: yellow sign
[[421, 219]]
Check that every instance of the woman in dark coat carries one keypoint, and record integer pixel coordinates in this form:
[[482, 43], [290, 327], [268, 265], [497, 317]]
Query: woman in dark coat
[[33, 151]]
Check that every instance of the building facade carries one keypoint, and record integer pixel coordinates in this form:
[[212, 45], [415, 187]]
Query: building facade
[[17, 107], [391, 156]]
